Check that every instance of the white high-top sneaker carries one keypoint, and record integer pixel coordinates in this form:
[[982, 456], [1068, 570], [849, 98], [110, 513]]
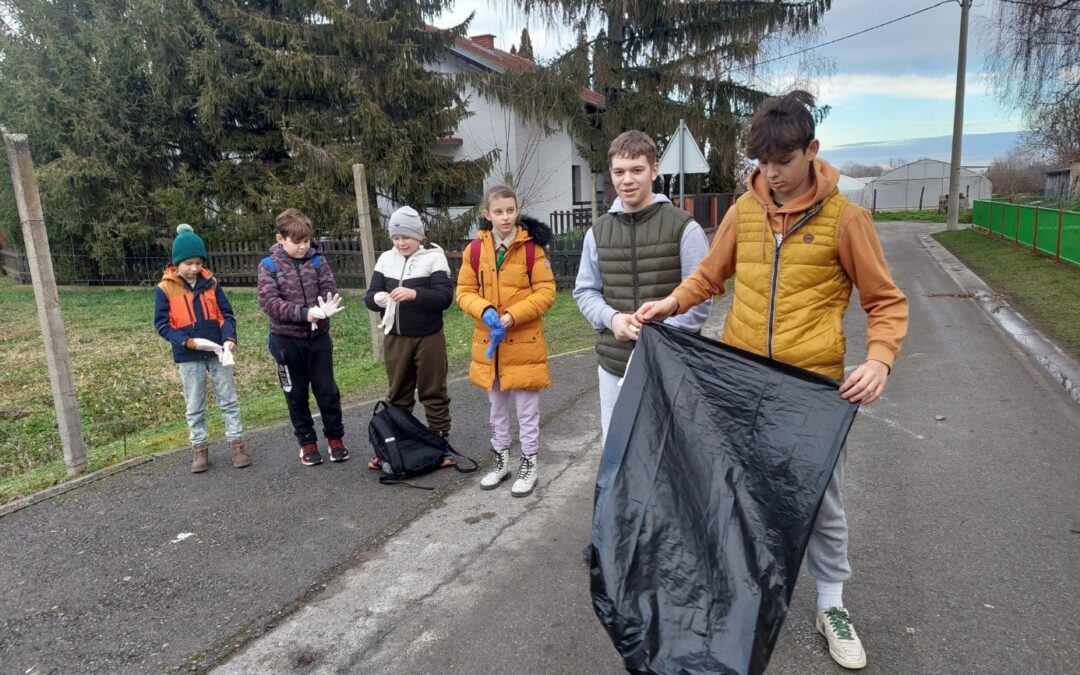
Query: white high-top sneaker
[[526, 478], [499, 471]]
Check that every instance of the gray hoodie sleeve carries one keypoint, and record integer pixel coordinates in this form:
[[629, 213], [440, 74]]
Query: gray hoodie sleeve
[[589, 288], [692, 248]]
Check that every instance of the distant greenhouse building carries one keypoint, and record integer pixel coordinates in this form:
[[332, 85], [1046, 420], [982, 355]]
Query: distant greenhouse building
[[922, 184], [851, 187]]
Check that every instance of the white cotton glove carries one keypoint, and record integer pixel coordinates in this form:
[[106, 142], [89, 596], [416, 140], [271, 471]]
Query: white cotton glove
[[226, 357], [314, 315], [381, 298], [204, 345], [388, 316], [331, 305]]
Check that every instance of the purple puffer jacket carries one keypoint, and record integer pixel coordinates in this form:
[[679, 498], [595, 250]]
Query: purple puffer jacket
[[286, 295]]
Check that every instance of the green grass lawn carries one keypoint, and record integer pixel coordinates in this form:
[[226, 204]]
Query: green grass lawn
[[925, 216], [1045, 293], [130, 399]]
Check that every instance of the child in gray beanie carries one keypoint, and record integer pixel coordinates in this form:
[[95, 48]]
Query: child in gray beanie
[[406, 222], [411, 288]]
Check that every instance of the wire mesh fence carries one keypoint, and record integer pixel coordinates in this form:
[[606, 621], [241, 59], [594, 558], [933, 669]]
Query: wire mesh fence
[[237, 264]]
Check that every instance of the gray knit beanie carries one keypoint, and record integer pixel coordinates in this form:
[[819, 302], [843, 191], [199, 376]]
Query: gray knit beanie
[[406, 222]]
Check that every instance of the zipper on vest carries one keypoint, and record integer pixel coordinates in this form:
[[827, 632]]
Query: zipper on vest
[[400, 283], [633, 261], [776, 269], [300, 276]]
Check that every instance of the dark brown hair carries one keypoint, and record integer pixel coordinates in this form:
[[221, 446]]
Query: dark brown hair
[[293, 224], [632, 144], [781, 125]]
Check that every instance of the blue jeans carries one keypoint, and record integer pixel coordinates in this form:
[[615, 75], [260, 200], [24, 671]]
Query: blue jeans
[[193, 375]]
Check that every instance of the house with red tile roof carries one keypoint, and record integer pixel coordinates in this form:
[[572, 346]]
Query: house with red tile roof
[[546, 168]]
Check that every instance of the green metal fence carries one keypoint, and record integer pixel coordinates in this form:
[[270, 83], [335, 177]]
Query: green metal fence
[[1053, 232]]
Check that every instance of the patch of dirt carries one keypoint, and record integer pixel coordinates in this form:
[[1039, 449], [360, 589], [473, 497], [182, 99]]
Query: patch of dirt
[[997, 300]]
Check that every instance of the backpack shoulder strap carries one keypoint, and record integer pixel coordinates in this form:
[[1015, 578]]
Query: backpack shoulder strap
[[457, 465], [270, 265], [530, 257], [316, 260], [474, 255]]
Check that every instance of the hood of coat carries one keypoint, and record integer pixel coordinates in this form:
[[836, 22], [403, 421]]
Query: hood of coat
[[539, 232], [170, 277], [277, 251], [617, 205], [826, 178]]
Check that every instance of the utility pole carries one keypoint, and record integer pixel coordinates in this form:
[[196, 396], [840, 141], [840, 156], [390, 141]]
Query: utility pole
[[958, 120], [39, 257], [367, 242]]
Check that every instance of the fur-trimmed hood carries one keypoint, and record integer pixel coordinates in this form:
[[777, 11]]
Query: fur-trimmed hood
[[539, 232]]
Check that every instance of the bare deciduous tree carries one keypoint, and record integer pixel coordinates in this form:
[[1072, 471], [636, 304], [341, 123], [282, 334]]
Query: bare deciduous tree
[[1019, 172], [1036, 65], [857, 170]]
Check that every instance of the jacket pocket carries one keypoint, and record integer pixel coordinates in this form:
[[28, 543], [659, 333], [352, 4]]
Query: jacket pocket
[[526, 336]]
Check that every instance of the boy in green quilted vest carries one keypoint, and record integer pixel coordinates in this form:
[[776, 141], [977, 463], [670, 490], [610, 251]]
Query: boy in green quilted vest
[[796, 248]]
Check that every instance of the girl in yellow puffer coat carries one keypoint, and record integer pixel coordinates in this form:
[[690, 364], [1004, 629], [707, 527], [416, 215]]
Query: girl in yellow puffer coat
[[506, 284]]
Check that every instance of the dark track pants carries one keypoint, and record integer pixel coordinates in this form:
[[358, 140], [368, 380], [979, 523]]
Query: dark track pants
[[304, 363]]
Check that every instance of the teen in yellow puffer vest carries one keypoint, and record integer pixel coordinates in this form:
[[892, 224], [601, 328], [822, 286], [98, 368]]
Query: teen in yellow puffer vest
[[796, 247]]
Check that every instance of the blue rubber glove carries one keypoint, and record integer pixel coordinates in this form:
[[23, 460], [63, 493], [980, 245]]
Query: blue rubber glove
[[496, 336], [491, 318]]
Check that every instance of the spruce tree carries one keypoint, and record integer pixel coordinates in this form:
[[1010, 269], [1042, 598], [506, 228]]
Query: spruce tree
[[76, 77], [526, 49], [656, 62], [221, 113]]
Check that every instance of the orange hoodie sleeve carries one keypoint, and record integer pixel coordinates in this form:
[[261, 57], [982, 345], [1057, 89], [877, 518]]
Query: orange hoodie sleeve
[[715, 268], [885, 304]]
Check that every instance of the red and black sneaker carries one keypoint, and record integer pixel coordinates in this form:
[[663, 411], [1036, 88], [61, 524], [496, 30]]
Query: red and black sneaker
[[310, 455], [338, 451]]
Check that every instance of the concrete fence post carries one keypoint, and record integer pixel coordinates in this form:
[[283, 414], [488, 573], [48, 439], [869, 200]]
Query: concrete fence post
[[367, 242], [39, 258]]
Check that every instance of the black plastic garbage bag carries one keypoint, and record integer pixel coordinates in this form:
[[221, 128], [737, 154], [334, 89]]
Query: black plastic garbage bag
[[715, 465]]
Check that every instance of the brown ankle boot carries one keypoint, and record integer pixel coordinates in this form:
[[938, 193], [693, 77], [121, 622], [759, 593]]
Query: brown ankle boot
[[201, 461], [240, 458]]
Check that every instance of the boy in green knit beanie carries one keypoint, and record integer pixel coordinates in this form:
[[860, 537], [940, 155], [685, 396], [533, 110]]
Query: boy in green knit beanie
[[193, 314]]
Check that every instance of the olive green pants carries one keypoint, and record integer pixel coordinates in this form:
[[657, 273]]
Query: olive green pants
[[416, 367]]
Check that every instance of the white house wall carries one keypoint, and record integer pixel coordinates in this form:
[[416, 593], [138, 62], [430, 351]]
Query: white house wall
[[540, 164]]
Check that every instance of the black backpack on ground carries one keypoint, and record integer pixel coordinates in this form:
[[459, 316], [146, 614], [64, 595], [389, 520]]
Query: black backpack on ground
[[406, 448]]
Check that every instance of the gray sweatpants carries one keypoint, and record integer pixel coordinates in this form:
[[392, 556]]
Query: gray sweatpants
[[827, 552]]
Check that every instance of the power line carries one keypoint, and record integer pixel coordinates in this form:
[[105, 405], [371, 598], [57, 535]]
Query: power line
[[845, 37]]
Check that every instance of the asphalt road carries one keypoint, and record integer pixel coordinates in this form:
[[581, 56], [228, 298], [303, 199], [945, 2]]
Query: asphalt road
[[963, 497]]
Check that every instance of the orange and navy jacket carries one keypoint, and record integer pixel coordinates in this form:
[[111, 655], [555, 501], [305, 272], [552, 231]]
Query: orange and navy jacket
[[183, 312]]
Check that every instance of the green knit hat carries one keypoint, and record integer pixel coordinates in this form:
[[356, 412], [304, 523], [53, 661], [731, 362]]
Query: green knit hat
[[187, 245]]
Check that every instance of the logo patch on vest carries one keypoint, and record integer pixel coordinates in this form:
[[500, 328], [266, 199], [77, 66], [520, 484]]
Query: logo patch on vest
[[808, 238]]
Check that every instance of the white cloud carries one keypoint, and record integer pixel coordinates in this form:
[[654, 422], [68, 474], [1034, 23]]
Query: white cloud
[[845, 86]]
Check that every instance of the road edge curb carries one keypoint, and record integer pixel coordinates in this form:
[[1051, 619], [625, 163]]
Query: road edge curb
[[1062, 368]]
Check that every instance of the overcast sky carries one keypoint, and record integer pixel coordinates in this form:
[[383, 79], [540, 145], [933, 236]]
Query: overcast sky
[[895, 82]]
